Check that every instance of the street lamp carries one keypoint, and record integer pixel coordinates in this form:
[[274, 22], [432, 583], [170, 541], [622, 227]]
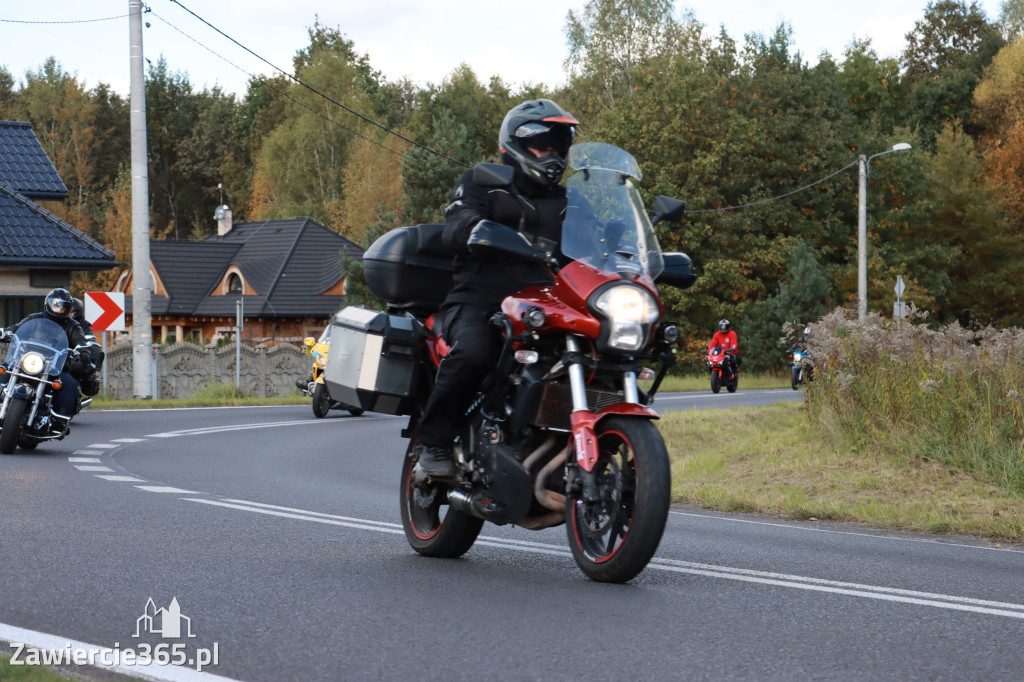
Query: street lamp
[[862, 228]]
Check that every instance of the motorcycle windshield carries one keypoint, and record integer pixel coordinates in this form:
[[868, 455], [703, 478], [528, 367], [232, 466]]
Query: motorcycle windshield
[[606, 225], [42, 336]]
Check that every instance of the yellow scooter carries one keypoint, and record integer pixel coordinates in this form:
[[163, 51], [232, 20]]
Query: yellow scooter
[[315, 386]]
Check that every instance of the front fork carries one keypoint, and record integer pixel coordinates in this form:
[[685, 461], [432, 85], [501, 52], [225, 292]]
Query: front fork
[[584, 421]]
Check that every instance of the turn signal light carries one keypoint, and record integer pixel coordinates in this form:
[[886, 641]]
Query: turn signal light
[[3, 370], [57, 384]]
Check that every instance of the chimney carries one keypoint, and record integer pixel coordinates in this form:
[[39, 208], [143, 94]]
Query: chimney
[[223, 216]]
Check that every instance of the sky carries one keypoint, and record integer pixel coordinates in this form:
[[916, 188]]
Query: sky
[[523, 42]]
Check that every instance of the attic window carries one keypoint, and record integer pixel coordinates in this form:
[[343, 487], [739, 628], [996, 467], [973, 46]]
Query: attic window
[[234, 282]]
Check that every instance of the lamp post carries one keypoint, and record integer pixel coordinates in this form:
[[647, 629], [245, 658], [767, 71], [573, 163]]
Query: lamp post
[[862, 227]]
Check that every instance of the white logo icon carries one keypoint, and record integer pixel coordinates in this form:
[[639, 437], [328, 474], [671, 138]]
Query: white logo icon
[[163, 622]]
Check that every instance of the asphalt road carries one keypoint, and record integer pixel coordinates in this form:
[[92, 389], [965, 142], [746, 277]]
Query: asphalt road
[[279, 536]]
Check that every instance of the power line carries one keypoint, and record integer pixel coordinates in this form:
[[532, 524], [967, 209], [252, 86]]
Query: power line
[[77, 21], [781, 196], [326, 97]]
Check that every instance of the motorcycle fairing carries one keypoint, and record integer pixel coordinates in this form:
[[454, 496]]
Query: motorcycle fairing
[[584, 431]]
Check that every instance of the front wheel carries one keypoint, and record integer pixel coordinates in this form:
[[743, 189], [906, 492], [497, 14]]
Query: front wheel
[[431, 526], [716, 382], [794, 380], [614, 536], [12, 425], [321, 401]]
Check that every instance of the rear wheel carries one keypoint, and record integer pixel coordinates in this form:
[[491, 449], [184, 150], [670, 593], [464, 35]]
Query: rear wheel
[[321, 401], [355, 411], [716, 382], [12, 425], [794, 380], [614, 536], [732, 384], [431, 526]]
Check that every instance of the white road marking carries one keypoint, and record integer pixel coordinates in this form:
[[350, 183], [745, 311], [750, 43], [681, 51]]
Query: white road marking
[[88, 452], [267, 425], [843, 532], [102, 446], [942, 601], [92, 467], [151, 671], [165, 489], [162, 435], [129, 479], [305, 516], [84, 460], [128, 440]]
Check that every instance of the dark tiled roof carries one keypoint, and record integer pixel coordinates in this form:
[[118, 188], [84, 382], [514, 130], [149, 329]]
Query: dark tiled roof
[[289, 263], [24, 165], [32, 237]]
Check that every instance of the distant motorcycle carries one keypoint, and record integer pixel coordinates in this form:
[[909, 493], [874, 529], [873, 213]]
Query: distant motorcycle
[[315, 387], [36, 357], [724, 372], [803, 368]]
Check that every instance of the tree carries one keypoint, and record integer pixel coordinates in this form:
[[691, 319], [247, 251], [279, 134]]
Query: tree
[[803, 296], [945, 56], [1011, 19]]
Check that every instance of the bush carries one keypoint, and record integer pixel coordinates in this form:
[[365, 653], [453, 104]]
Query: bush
[[950, 394]]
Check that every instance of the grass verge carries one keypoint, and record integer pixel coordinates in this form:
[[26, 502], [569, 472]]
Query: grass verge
[[28, 673], [218, 395], [771, 460]]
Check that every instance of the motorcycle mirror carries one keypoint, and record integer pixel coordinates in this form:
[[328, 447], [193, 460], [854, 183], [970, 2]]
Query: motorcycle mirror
[[667, 208], [678, 271], [493, 175]]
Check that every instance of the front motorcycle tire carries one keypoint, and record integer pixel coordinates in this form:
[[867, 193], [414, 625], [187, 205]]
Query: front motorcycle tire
[[12, 425], [613, 537], [716, 382], [321, 401], [431, 526], [794, 380]]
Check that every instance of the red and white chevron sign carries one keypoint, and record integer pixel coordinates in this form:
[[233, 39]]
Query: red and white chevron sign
[[104, 310]]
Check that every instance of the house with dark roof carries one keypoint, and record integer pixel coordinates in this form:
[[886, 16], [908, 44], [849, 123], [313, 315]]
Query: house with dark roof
[[38, 250], [287, 273]]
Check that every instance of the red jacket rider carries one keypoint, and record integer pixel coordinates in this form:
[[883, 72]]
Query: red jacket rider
[[726, 338]]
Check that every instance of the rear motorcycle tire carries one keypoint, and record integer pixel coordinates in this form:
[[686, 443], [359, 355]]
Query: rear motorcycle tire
[[355, 411], [427, 531], [732, 384], [12, 425], [614, 537], [321, 401], [794, 380], [26, 443], [716, 382]]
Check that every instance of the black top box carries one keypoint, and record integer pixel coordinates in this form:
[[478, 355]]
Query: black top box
[[410, 265]]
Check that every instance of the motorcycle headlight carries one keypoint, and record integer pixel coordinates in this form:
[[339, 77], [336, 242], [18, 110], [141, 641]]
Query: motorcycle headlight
[[797, 356], [631, 310], [33, 363]]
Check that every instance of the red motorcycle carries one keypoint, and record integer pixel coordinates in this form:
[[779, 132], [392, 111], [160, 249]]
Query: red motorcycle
[[560, 431], [724, 372]]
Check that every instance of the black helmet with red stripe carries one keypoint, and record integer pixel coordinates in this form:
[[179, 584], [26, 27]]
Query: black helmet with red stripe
[[535, 137]]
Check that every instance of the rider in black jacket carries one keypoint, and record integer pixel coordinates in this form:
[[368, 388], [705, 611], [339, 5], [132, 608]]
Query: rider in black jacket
[[58, 307], [534, 139]]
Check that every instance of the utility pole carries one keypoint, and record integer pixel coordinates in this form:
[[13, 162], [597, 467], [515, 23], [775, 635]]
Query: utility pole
[[142, 320], [862, 238]]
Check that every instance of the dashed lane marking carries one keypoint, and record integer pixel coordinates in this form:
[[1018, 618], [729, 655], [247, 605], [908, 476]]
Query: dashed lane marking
[[88, 452], [92, 467], [85, 460], [128, 440], [165, 489], [127, 479], [102, 446]]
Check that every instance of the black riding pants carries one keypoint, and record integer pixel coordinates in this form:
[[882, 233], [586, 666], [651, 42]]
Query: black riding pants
[[475, 345]]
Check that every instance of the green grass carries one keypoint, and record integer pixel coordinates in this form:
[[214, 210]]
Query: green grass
[[214, 395], [702, 382], [773, 460], [28, 673]]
